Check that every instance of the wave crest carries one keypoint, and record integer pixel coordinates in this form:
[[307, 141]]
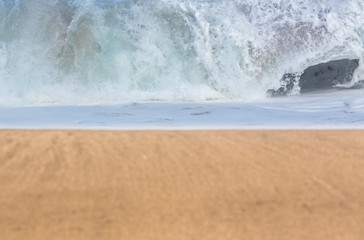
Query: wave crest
[[79, 52]]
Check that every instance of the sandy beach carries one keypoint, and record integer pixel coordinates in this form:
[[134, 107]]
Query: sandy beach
[[179, 185]]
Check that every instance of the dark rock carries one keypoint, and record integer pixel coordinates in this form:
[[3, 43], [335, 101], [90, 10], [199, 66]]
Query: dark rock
[[319, 77]]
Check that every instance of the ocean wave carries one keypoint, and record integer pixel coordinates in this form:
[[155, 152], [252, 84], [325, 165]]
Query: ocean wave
[[93, 52]]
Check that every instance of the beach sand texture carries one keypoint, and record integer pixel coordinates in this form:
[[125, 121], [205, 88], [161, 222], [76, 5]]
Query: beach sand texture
[[179, 185]]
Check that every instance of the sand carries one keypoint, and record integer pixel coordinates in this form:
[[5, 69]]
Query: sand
[[176, 185]]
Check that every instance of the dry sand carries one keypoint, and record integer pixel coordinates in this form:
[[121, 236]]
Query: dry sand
[[159, 185]]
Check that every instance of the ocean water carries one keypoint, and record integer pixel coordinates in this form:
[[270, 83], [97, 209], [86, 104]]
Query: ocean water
[[175, 63], [319, 110]]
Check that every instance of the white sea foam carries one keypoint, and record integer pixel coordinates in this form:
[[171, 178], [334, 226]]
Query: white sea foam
[[96, 52], [319, 110]]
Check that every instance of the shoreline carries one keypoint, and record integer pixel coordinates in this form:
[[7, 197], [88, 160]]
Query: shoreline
[[326, 110], [197, 184]]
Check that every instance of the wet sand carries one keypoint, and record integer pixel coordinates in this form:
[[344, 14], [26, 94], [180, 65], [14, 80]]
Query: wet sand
[[181, 185]]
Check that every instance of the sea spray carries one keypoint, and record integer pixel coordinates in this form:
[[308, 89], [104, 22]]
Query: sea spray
[[95, 52]]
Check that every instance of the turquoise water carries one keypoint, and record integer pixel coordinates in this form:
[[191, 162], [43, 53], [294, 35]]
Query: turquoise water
[[105, 52]]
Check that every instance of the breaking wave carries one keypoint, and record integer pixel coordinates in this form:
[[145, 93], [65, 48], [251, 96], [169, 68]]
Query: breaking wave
[[94, 52]]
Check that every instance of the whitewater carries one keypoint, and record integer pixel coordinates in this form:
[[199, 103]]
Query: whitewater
[[178, 64]]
